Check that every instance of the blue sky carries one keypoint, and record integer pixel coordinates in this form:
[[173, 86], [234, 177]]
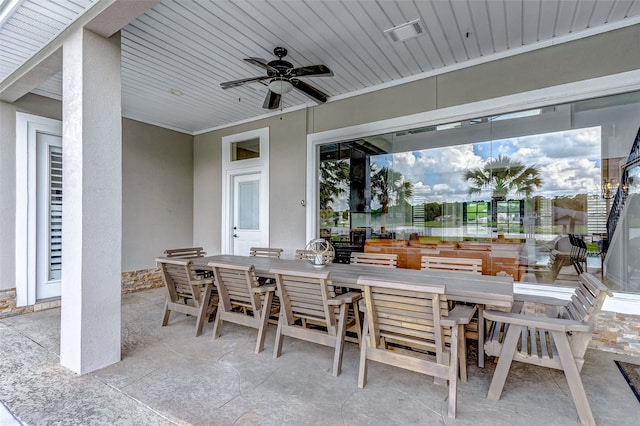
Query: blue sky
[[569, 163]]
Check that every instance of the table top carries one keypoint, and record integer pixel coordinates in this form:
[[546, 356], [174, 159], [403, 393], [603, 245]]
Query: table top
[[482, 289]]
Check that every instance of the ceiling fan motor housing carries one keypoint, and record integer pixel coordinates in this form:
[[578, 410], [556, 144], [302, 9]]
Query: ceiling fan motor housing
[[280, 66]]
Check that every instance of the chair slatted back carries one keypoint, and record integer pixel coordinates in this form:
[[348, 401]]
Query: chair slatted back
[[405, 314], [235, 286], [177, 278], [587, 300], [311, 311], [185, 252], [374, 259], [305, 295], [265, 252], [303, 254], [186, 292], [458, 264]]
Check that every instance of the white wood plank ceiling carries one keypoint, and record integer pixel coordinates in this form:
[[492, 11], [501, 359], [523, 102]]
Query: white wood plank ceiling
[[191, 46]]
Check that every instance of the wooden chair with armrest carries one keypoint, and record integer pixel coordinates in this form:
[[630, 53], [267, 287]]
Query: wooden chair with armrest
[[374, 259], [185, 292], [400, 315], [242, 300], [185, 252], [458, 264], [308, 255], [265, 252], [189, 253], [310, 297], [558, 340], [383, 260], [463, 265]]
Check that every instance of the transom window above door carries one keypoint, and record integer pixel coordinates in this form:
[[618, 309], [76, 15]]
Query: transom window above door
[[246, 149]]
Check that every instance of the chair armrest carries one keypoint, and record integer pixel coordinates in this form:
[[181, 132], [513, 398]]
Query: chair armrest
[[264, 289], [460, 314], [340, 299], [553, 324]]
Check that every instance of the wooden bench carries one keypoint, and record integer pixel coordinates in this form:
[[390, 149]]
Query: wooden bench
[[558, 340]]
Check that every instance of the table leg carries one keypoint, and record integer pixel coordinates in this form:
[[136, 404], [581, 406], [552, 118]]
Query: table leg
[[481, 336]]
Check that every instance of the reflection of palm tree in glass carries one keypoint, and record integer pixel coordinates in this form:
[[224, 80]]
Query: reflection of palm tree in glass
[[334, 179], [387, 184], [503, 175]]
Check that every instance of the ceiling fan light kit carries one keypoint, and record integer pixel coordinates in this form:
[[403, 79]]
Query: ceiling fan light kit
[[283, 78], [280, 86]]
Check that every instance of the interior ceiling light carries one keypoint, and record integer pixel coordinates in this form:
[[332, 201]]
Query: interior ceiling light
[[404, 32], [280, 86]]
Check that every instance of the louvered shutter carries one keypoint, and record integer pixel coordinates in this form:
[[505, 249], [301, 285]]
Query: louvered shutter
[[55, 213]]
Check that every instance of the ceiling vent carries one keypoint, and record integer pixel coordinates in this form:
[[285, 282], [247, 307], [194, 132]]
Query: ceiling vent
[[404, 32]]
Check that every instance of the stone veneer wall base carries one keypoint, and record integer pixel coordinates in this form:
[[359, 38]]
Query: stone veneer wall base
[[132, 281]]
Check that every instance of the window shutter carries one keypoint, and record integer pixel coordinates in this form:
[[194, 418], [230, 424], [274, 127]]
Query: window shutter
[[55, 213]]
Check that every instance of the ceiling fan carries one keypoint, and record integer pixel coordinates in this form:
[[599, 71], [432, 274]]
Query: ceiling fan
[[283, 78]]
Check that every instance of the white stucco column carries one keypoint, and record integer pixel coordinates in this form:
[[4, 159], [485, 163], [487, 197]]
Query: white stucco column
[[92, 202]]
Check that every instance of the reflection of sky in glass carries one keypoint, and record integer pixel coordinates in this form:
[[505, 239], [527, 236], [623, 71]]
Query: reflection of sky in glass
[[568, 161]]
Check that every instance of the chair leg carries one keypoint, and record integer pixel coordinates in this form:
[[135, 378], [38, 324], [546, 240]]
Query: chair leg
[[506, 356], [453, 370], [217, 324], [277, 347], [356, 313], [342, 329], [264, 320], [462, 352], [167, 312], [573, 378], [202, 313], [362, 371], [481, 331]]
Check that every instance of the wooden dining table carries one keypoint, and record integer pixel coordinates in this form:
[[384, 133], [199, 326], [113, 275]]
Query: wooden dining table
[[462, 287]]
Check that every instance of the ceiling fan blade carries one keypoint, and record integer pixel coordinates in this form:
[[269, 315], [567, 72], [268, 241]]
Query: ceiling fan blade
[[312, 92], [310, 70], [260, 63], [235, 83], [272, 101]]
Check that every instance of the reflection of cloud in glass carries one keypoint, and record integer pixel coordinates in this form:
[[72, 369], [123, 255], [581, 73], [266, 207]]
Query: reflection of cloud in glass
[[569, 163]]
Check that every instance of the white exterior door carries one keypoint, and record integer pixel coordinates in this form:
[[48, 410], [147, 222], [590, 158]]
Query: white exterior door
[[245, 191], [248, 229], [48, 215]]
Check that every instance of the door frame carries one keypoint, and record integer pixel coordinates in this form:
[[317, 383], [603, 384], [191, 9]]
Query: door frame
[[27, 127], [231, 169]]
